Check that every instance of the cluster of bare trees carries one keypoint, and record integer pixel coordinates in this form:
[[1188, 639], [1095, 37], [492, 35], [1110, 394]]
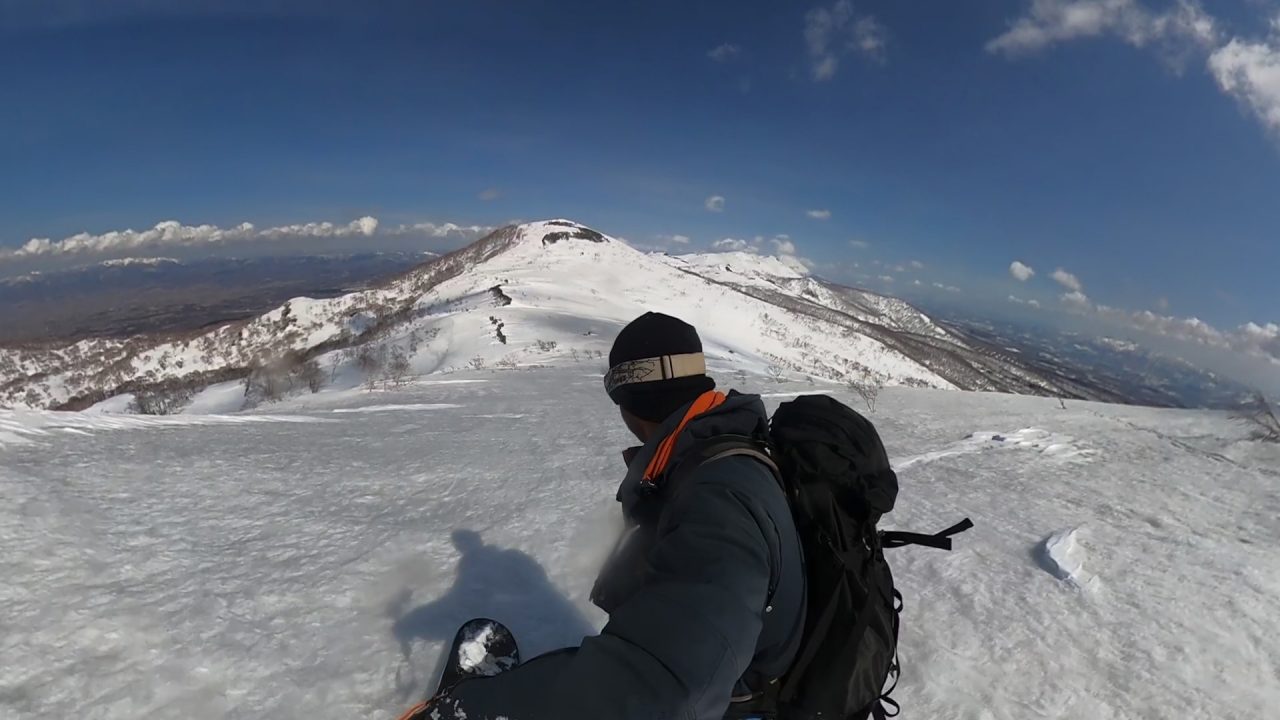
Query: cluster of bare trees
[[161, 401], [868, 388], [275, 378], [380, 363], [1261, 417]]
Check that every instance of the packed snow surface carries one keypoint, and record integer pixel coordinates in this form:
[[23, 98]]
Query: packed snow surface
[[303, 563]]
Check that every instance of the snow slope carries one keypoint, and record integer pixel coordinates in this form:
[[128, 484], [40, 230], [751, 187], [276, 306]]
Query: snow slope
[[509, 297], [240, 568]]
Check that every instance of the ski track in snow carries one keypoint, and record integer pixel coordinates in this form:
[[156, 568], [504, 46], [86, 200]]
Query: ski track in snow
[[411, 407], [303, 566], [18, 427]]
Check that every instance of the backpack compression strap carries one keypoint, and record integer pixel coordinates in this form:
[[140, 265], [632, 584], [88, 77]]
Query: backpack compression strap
[[940, 540]]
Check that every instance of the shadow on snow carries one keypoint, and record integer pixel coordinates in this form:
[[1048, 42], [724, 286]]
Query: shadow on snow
[[504, 584]]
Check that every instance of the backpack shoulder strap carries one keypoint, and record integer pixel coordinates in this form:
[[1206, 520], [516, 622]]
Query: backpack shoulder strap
[[725, 446], [720, 447]]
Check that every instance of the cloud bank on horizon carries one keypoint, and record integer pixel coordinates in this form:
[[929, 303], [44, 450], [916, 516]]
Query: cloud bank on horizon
[[170, 234]]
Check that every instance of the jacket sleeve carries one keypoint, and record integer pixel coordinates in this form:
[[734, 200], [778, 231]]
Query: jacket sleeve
[[675, 649]]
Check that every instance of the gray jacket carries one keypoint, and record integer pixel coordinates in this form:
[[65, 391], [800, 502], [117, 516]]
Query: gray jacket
[[691, 625]]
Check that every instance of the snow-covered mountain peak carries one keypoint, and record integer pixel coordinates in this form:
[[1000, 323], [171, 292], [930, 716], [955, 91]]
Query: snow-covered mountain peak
[[559, 230]]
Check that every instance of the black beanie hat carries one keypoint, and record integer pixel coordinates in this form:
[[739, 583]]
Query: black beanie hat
[[654, 335]]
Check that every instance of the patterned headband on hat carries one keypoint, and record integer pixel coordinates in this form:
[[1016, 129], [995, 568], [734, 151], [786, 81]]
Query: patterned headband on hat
[[665, 367]]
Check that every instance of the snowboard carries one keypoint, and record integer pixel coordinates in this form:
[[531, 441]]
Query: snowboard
[[481, 648]]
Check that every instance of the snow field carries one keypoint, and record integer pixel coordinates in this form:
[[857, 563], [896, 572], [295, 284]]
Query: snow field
[[245, 568]]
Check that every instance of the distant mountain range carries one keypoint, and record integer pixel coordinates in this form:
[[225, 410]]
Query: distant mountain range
[[129, 296], [1133, 373], [540, 293]]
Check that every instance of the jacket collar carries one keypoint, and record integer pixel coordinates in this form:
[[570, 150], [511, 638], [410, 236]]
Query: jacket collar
[[739, 415]]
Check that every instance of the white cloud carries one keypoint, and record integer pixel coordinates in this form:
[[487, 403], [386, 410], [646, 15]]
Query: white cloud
[[886, 279], [917, 283], [1246, 69], [825, 68], [833, 31], [947, 288], [916, 264], [870, 38], [1048, 22], [819, 214], [1250, 73], [440, 230], [171, 233], [715, 203], [489, 194], [735, 244], [724, 52], [1077, 300], [1067, 280], [859, 244], [1162, 304], [1019, 301], [1020, 271], [783, 245], [678, 239], [1260, 341]]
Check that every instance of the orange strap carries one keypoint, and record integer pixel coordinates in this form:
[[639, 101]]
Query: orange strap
[[414, 712], [706, 402]]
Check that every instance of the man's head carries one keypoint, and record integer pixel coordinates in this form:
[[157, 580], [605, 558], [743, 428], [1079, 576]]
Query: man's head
[[656, 367]]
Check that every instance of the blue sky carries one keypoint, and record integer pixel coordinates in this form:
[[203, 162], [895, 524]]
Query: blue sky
[[1135, 145]]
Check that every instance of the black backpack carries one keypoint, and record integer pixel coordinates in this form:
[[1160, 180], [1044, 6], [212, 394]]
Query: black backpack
[[838, 481]]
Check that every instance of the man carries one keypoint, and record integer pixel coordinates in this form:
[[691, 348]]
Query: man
[[705, 592]]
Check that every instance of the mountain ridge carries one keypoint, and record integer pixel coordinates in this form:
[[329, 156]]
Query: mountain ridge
[[538, 293]]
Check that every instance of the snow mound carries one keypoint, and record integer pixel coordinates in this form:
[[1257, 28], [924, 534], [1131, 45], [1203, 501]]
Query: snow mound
[[1043, 442], [226, 397], [1062, 555]]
